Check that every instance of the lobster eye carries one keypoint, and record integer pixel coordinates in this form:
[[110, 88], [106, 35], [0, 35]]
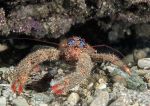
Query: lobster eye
[[71, 42], [82, 43]]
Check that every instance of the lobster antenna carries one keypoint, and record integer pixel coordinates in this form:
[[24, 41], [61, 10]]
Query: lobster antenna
[[32, 40], [109, 48]]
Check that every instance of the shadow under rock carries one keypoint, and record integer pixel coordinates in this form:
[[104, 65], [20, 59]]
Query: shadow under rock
[[40, 86]]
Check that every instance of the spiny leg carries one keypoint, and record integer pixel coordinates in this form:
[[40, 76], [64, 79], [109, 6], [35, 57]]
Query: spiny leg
[[83, 70], [24, 68], [111, 58]]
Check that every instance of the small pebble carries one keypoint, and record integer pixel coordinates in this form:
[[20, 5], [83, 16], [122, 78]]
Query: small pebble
[[2, 101], [102, 84], [147, 77], [60, 71], [73, 99], [20, 101], [89, 99], [3, 47], [101, 99], [144, 63], [128, 59], [139, 54], [55, 104], [90, 85], [7, 92], [135, 104], [42, 104], [40, 98], [4, 69]]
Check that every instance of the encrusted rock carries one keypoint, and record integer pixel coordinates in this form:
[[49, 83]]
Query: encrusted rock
[[58, 25]]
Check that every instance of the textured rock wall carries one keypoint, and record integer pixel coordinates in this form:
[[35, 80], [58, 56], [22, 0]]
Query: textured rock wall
[[53, 18]]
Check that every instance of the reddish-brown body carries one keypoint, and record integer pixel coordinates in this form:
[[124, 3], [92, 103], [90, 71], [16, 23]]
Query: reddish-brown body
[[73, 49]]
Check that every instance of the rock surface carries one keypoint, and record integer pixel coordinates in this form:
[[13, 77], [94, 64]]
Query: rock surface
[[101, 99], [121, 101], [3, 101], [92, 92], [20, 101]]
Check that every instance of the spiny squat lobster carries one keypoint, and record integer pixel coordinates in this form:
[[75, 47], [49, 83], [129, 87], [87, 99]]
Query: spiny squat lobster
[[74, 50]]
